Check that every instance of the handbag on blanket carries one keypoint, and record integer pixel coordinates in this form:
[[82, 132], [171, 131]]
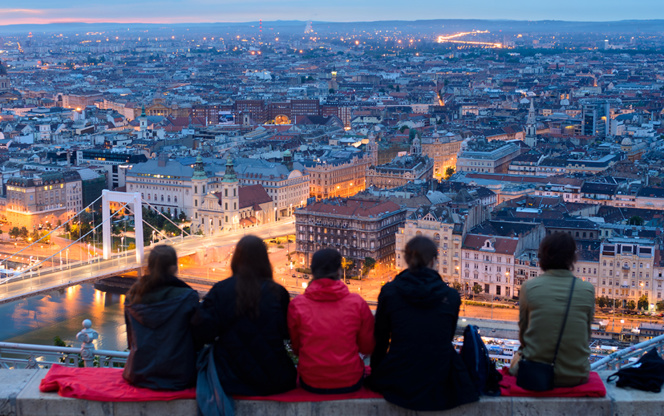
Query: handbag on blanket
[[536, 376], [210, 396]]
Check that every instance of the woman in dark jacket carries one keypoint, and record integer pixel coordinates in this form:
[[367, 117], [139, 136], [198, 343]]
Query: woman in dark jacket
[[158, 311], [414, 364], [245, 317]]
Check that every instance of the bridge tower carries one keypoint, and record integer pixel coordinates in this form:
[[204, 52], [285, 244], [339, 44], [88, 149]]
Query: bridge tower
[[133, 198]]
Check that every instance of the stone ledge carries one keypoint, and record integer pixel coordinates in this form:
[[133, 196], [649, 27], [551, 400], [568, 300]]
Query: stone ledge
[[20, 396]]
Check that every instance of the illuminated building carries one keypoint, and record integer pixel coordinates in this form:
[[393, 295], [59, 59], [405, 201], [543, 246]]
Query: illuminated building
[[629, 270], [443, 150], [292, 109], [402, 169], [48, 197], [81, 100], [229, 206], [489, 253], [114, 162], [358, 228], [487, 157], [341, 174], [286, 184], [246, 111], [441, 225], [596, 119]]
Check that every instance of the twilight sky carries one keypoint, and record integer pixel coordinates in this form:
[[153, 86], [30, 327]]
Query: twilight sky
[[181, 11]]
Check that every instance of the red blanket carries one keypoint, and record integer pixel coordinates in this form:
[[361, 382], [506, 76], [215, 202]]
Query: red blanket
[[107, 385], [593, 388], [103, 384]]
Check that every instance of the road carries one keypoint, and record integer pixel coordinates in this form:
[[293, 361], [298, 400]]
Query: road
[[58, 277]]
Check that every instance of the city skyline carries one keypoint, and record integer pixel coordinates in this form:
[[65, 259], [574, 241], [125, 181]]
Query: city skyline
[[205, 11]]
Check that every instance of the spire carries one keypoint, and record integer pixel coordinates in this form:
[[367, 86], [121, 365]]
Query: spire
[[199, 169], [229, 175], [531, 125], [531, 113], [416, 147], [143, 111]]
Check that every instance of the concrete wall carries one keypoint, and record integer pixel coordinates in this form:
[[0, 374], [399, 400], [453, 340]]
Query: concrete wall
[[20, 396]]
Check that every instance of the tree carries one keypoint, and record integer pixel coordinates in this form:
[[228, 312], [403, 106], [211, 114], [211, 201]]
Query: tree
[[346, 265], [477, 289], [14, 233], [660, 306], [601, 301], [23, 233], [34, 235], [449, 172], [457, 286], [643, 302], [58, 342], [631, 305], [369, 264], [635, 220], [171, 229]]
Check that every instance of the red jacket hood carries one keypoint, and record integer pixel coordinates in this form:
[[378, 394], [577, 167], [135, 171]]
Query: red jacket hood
[[326, 290]]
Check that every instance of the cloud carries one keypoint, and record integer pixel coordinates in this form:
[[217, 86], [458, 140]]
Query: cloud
[[22, 11]]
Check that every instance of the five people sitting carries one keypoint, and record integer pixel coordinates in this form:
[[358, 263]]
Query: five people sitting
[[248, 320]]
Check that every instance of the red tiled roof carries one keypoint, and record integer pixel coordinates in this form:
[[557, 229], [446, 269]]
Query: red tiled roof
[[502, 245], [252, 195], [353, 207]]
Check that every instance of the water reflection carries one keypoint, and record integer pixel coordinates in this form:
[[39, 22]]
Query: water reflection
[[37, 320]]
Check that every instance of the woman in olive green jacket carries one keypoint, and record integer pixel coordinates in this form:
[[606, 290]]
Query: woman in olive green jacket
[[542, 305]]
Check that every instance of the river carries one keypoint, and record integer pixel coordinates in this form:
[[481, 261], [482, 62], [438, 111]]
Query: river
[[39, 319]]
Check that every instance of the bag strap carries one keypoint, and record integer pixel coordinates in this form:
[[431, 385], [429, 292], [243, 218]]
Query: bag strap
[[560, 337]]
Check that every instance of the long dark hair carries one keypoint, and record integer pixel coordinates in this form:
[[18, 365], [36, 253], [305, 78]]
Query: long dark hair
[[161, 260], [251, 267], [420, 252]]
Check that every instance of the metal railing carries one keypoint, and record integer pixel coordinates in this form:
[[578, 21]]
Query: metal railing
[[628, 356], [32, 356]]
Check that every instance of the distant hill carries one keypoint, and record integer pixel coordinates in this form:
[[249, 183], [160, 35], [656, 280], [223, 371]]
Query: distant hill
[[406, 27]]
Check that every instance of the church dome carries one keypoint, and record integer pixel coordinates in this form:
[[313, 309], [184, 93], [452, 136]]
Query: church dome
[[626, 142]]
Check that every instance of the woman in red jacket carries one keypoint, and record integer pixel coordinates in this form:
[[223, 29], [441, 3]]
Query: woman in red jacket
[[329, 328]]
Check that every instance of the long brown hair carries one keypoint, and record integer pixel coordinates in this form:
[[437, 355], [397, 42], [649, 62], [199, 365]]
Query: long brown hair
[[251, 267], [161, 260], [420, 252]]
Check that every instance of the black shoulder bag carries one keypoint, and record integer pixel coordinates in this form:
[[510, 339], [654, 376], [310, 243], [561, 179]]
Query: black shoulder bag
[[536, 376]]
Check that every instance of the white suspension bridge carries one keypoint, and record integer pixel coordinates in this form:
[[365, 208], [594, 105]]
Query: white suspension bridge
[[49, 273]]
